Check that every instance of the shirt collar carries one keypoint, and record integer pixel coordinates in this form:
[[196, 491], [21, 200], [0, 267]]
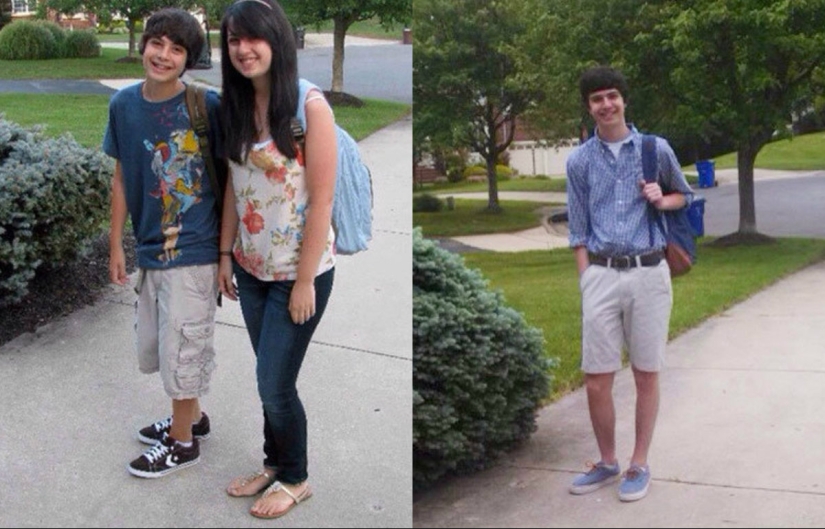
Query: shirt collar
[[632, 137]]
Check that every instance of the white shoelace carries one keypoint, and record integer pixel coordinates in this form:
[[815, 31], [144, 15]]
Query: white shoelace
[[165, 424], [157, 452]]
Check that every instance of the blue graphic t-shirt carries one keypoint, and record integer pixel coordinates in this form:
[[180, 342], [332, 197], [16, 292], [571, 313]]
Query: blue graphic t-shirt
[[168, 191]]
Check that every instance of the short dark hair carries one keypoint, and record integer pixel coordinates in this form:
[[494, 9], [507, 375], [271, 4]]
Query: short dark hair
[[601, 78], [179, 26]]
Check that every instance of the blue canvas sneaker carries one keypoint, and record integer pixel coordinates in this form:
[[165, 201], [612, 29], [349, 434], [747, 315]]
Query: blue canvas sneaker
[[635, 483], [598, 476]]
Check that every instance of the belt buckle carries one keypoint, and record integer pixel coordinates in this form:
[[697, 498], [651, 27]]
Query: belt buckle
[[622, 262]]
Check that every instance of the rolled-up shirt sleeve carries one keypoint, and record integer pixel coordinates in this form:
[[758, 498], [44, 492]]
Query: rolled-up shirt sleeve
[[576, 200]]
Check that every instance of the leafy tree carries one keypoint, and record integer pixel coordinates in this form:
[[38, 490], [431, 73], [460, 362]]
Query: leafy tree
[[707, 68], [344, 13], [214, 10], [741, 68], [467, 86], [132, 10]]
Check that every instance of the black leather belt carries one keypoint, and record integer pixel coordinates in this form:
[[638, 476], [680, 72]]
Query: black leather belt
[[624, 262]]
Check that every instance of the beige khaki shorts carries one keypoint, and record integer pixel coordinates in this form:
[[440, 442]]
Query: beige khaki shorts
[[175, 325], [625, 309]]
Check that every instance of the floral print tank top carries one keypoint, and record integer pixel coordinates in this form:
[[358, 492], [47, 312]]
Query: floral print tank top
[[271, 198]]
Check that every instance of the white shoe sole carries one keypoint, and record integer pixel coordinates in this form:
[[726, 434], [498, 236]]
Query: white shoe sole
[[152, 475], [584, 489], [149, 441], [636, 495]]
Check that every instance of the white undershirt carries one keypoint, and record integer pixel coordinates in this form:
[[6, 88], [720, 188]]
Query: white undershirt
[[616, 146]]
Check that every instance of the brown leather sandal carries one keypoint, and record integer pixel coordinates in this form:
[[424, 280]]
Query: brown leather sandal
[[243, 481]]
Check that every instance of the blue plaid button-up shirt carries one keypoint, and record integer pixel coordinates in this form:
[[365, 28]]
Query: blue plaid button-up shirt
[[606, 210]]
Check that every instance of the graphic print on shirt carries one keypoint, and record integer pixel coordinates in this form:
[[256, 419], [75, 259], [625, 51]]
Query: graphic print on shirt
[[176, 163]]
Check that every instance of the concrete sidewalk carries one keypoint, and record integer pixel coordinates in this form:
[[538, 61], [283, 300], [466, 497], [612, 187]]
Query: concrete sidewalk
[[738, 442], [73, 399]]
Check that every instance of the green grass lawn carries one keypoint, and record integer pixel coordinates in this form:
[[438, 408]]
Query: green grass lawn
[[557, 183], [82, 115], [59, 113], [543, 285], [103, 67], [468, 218], [800, 153], [366, 28]]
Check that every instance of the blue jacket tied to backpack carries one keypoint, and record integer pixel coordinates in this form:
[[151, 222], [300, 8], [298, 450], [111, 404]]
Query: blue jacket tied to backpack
[[352, 206]]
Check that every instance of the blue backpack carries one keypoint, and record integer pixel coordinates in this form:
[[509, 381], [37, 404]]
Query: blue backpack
[[352, 206], [679, 233]]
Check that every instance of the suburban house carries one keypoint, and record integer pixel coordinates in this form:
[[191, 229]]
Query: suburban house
[[26, 9], [529, 156]]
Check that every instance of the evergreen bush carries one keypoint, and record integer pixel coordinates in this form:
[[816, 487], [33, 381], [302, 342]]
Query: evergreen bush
[[26, 40], [479, 371], [82, 44], [59, 35], [53, 203]]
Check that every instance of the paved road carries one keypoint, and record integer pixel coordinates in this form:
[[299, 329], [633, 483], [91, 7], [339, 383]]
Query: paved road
[[372, 69], [785, 207]]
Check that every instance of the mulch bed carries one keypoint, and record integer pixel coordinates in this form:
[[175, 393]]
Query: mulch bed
[[57, 292]]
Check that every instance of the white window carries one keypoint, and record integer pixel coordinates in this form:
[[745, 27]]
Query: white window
[[22, 7]]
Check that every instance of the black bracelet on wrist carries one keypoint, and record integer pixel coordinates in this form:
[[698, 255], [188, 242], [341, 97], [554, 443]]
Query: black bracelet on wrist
[[225, 253]]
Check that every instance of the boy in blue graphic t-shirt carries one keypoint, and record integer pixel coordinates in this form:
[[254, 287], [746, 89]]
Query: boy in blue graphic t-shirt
[[161, 182]]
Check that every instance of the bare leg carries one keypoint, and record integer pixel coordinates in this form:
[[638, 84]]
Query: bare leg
[[647, 408], [184, 413], [602, 413]]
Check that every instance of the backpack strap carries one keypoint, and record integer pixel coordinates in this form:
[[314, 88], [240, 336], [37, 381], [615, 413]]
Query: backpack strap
[[298, 123], [650, 170], [199, 118]]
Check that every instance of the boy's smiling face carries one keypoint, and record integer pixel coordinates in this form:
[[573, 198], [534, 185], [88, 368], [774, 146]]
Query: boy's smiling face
[[606, 107], [163, 60]]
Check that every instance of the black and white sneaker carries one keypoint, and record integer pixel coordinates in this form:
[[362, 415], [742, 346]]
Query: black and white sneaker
[[164, 458], [155, 433]]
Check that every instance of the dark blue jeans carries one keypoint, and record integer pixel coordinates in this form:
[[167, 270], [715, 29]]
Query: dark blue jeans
[[280, 346]]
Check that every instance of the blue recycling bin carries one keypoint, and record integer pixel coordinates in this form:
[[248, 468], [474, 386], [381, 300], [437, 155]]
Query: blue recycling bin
[[696, 216], [706, 173]]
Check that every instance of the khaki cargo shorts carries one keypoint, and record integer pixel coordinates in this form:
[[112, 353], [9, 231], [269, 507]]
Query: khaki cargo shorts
[[175, 325]]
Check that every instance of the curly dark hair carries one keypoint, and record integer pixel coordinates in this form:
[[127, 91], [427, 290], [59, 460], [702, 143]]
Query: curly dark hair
[[601, 78], [180, 27]]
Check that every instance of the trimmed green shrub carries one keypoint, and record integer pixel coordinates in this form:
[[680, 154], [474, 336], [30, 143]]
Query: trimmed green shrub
[[475, 170], [427, 203], [82, 44], [479, 371], [26, 40], [503, 172], [59, 35], [455, 163], [54, 197]]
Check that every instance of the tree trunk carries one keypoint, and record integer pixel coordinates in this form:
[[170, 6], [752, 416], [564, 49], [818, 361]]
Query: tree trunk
[[131, 25], [746, 157], [492, 184], [340, 32]]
